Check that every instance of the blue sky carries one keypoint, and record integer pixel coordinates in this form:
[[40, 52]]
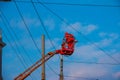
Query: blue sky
[[100, 24]]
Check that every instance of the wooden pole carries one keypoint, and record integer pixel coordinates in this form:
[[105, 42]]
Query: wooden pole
[[43, 54], [61, 67]]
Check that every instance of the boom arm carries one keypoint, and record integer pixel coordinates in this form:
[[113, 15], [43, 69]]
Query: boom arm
[[67, 48], [35, 66]]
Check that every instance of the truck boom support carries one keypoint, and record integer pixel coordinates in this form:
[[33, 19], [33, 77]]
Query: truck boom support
[[67, 48], [27, 72]]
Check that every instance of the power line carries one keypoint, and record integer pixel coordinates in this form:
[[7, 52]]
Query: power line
[[79, 77], [16, 37], [83, 62], [41, 21], [11, 36], [14, 49], [70, 4], [52, 70], [42, 24], [80, 33], [69, 75], [26, 26], [17, 51]]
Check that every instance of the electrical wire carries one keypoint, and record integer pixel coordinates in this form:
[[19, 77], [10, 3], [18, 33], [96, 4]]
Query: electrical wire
[[42, 24], [41, 21], [16, 37], [79, 77], [75, 29], [26, 26], [52, 70], [11, 36], [17, 51], [71, 4], [83, 62], [80, 33], [57, 16]]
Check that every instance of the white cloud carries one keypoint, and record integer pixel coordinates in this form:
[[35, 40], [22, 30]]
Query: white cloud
[[79, 27], [105, 42], [33, 21], [90, 53], [109, 35], [29, 21], [91, 71], [50, 23], [87, 51], [65, 28], [55, 42], [114, 35], [116, 55], [89, 28], [16, 23], [102, 34], [117, 75], [108, 39]]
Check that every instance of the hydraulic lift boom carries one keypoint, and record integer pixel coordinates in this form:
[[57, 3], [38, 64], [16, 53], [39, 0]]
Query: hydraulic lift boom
[[27, 72], [67, 48]]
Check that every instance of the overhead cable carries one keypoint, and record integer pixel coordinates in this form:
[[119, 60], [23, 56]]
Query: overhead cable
[[41, 21], [5, 18], [83, 62], [71, 26], [71, 4], [17, 51], [26, 26]]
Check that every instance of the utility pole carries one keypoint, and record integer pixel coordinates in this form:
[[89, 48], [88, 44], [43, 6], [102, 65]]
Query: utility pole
[[2, 44], [61, 67], [43, 54]]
